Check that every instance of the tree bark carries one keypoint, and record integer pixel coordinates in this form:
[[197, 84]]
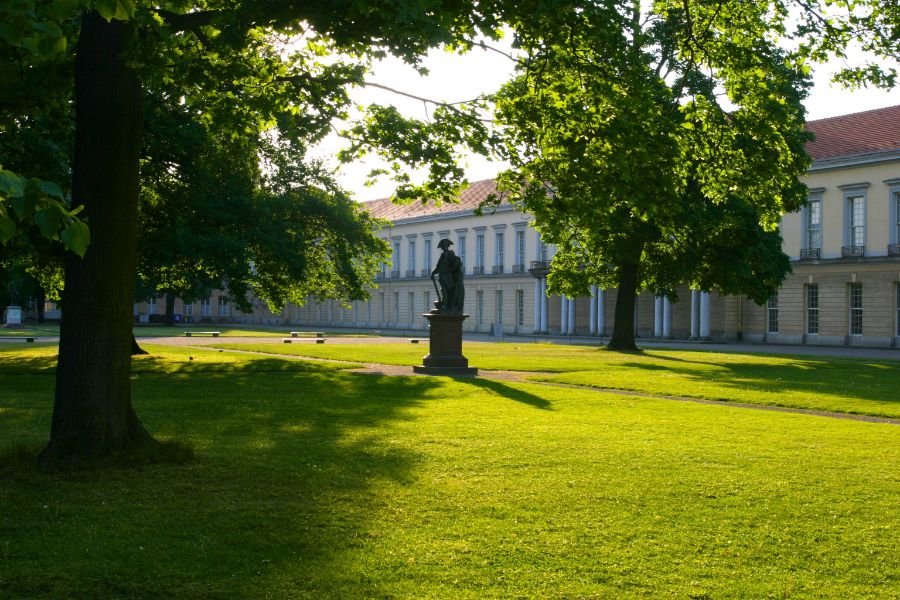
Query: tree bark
[[623, 327], [92, 414], [169, 318], [136, 349]]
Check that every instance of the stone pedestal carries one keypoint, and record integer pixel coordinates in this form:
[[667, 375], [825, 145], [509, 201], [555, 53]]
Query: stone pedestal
[[445, 346], [13, 317]]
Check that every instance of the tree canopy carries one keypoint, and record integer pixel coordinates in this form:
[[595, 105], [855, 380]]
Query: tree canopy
[[659, 144]]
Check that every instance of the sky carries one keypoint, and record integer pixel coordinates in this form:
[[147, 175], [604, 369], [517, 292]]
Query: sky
[[455, 78]]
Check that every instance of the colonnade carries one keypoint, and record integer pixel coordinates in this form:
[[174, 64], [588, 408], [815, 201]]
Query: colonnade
[[662, 323]]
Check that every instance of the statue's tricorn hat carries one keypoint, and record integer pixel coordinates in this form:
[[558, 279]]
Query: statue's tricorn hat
[[444, 244]]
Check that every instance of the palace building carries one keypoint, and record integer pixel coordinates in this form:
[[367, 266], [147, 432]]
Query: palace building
[[844, 246]]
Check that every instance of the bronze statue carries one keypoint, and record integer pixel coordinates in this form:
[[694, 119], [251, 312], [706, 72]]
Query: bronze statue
[[449, 270]]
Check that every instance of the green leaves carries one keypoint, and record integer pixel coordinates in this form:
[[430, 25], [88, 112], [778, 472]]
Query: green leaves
[[25, 200], [114, 9]]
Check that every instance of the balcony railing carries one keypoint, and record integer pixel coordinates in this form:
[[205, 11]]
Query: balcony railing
[[893, 249], [810, 253], [497, 269], [518, 268], [539, 268], [425, 273], [380, 275], [410, 273], [478, 270], [395, 274], [853, 251]]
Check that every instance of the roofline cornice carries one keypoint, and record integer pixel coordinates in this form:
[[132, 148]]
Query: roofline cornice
[[451, 215], [844, 162]]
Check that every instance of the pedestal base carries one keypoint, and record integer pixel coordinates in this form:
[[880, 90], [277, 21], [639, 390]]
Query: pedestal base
[[13, 318], [445, 346], [446, 370]]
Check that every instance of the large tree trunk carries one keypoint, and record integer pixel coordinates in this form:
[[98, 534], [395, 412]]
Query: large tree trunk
[[623, 327], [92, 414], [169, 318]]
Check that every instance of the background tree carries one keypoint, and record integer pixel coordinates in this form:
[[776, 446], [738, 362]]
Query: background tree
[[659, 147]]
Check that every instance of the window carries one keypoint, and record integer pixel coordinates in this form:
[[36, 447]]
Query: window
[[856, 309], [395, 260], [772, 314], [383, 308], [411, 259], [461, 251], [898, 309], [856, 226], [520, 250], [499, 299], [812, 308], [479, 307], [204, 307], [814, 224], [499, 260], [412, 306], [152, 309], [520, 307], [426, 252], [894, 242], [188, 309], [396, 307], [541, 249], [479, 253], [223, 306], [427, 296]]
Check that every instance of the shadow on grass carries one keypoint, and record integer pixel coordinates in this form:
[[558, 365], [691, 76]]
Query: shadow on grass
[[509, 392], [291, 464], [859, 380]]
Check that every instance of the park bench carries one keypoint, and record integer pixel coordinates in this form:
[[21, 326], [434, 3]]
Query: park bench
[[417, 340], [318, 334], [191, 333], [16, 338], [318, 340]]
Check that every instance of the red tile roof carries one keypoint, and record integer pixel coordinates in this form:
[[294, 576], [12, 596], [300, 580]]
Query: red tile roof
[[468, 200], [857, 134]]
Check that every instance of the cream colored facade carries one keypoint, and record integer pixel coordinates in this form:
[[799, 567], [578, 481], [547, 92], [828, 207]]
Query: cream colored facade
[[844, 247]]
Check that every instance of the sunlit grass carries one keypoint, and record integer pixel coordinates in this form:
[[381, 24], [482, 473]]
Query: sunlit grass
[[856, 386], [314, 483]]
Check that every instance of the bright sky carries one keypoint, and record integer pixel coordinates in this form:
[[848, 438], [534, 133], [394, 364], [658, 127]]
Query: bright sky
[[456, 78]]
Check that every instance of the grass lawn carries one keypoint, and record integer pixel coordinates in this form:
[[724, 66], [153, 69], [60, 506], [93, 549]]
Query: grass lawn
[[867, 387], [310, 482]]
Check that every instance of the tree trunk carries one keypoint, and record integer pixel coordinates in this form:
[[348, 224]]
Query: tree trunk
[[623, 327], [136, 349], [169, 318], [92, 413]]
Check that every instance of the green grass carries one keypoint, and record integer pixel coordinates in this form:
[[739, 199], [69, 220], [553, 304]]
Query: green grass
[[854, 386], [314, 483]]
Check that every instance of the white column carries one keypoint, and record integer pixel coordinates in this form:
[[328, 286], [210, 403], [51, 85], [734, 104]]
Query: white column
[[657, 316], [538, 303], [601, 313], [704, 315], [563, 314], [695, 314], [592, 321], [667, 318], [545, 306], [570, 321]]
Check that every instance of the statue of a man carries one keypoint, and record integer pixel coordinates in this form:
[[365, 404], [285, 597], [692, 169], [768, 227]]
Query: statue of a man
[[449, 270]]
